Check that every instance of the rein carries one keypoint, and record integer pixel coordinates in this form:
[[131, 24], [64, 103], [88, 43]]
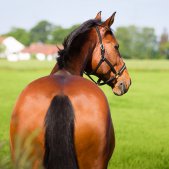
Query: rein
[[104, 59]]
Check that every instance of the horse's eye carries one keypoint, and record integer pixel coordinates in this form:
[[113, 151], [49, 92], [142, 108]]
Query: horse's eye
[[116, 46]]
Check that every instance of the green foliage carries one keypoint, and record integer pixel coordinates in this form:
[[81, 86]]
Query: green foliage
[[140, 117], [21, 35], [164, 45], [23, 159], [164, 48], [41, 32], [59, 34], [135, 42]]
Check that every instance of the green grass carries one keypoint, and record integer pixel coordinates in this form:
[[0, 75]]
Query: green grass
[[141, 117]]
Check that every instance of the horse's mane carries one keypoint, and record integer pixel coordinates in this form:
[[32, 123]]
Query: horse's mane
[[74, 41]]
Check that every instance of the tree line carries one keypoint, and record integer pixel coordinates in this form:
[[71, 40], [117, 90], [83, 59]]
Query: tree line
[[135, 42]]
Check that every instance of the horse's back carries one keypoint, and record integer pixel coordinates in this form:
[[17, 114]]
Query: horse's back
[[93, 130]]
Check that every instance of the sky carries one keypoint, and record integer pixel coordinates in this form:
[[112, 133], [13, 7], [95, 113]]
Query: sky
[[26, 13]]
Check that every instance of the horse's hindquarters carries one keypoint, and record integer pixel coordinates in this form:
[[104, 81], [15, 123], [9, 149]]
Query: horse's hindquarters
[[27, 121], [94, 135]]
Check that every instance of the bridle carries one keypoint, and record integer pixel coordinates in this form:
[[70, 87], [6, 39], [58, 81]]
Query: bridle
[[100, 81]]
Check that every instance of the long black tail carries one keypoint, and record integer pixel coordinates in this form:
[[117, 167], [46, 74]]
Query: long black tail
[[59, 136]]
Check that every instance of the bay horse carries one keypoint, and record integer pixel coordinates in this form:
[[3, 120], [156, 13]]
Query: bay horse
[[71, 113]]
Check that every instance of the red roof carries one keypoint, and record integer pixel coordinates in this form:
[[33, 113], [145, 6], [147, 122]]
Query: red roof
[[46, 49], [2, 39]]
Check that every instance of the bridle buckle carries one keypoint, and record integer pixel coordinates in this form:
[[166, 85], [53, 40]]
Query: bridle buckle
[[102, 47], [117, 76], [103, 59]]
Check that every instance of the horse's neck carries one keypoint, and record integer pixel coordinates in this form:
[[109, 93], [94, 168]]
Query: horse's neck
[[73, 68], [79, 60], [77, 65]]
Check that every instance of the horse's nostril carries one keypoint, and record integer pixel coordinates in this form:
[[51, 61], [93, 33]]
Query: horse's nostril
[[122, 87]]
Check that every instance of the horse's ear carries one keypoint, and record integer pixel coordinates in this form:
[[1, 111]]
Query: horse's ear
[[98, 16], [109, 21]]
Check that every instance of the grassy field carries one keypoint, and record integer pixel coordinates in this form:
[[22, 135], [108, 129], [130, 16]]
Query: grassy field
[[141, 117]]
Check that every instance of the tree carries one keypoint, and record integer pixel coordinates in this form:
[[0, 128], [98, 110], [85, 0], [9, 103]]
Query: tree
[[147, 43], [20, 34], [124, 38], [164, 37], [41, 32], [137, 42], [59, 34], [164, 45]]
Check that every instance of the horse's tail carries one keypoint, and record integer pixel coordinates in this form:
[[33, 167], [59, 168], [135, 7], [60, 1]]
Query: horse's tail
[[59, 135]]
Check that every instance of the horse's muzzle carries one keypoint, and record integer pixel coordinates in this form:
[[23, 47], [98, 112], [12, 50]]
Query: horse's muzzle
[[121, 87]]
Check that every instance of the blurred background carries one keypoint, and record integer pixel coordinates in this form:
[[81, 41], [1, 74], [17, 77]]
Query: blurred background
[[29, 33], [141, 27]]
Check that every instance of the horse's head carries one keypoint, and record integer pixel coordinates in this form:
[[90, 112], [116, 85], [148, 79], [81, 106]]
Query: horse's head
[[106, 61], [92, 48]]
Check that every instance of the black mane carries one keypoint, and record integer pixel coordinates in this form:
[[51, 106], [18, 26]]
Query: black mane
[[74, 41]]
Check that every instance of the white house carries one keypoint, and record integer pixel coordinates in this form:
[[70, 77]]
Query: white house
[[42, 51], [13, 49]]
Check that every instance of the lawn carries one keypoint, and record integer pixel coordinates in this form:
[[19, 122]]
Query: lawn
[[141, 117]]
